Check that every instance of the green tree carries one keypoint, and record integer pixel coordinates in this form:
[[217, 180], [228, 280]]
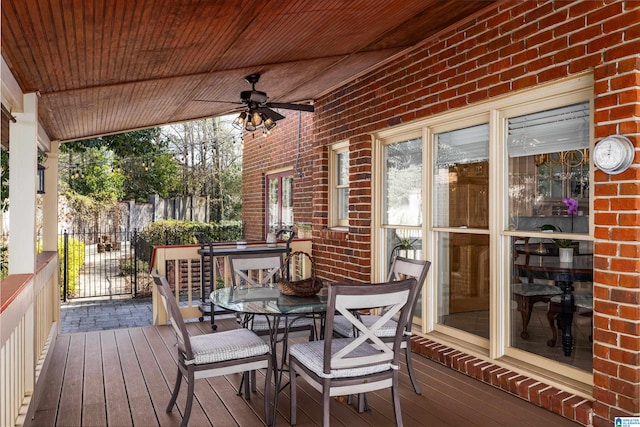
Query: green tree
[[96, 178], [130, 165], [159, 175]]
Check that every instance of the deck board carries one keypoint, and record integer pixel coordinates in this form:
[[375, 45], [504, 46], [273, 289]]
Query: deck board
[[70, 408], [93, 408], [124, 377]]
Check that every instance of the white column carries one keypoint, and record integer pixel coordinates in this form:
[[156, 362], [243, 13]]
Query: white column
[[50, 200], [23, 160]]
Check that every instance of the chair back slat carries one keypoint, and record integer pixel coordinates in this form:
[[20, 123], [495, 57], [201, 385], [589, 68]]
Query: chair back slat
[[175, 316], [390, 297], [403, 268], [255, 269]]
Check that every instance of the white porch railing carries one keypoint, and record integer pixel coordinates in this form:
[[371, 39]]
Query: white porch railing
[[28, 318], [176, 258]]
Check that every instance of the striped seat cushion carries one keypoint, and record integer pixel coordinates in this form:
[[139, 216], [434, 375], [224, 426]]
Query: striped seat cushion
[[310, 354], [227, 345], [343, 327]]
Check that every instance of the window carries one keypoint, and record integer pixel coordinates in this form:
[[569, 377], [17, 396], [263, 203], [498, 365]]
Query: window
[[548, 170], [501, 186], [279, 198], [461, 195], [339, 183], [402, 203]]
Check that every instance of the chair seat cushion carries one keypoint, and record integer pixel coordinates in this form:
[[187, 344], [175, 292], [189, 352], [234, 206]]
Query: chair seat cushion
[[310, 354], [532, 289], [227, 345], [580, 300], [343, 327]]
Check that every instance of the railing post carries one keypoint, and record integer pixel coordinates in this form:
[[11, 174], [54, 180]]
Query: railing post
[[65, 278], [135, 262]]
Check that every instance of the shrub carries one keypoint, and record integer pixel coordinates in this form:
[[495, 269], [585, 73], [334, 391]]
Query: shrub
[[75, 261], [173, 232]]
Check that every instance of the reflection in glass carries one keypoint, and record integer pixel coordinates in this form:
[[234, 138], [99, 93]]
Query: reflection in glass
[[535, 323], [463, 282], [402, 188], [461, 181], [342, 185], [548, 161], [404, 242]]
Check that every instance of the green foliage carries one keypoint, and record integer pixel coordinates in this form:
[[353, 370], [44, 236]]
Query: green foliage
[[75, 260], [158, 176], [96, 179], [172, 232], [4, 262], [135, 143], [4, 180], [127, 266], [126, 166]]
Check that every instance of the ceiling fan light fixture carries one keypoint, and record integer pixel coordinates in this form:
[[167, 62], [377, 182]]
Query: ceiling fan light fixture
[[249, 126], [269, 123], [238, 123], [256, 118]]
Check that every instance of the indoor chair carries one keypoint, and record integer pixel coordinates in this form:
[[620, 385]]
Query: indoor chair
[[215, 354], [345, 366]]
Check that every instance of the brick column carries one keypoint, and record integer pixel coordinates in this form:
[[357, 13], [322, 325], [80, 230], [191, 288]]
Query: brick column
[[616, 287]]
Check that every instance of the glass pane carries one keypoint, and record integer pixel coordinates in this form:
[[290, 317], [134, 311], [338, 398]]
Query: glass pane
[[549, 170], [343, 204], [287, 201], [538, 278], [342, 160], [461, 181], [407, 243], [463, 282], [402, 192], [273, 204]]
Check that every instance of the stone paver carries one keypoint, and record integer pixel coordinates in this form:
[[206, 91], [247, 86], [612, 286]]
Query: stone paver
[[102, 314]]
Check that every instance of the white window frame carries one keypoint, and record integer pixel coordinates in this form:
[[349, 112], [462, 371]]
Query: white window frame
[[336, 150], [498, 110]]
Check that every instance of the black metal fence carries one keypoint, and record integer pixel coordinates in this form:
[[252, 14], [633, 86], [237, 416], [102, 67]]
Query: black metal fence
[[103, 264]]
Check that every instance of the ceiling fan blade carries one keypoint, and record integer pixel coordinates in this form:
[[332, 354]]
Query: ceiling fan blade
[[270, 113], [288, 106], [220, 102]]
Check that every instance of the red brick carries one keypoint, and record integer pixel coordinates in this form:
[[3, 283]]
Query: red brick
[[546, 397], [557, 402], [584, 413]]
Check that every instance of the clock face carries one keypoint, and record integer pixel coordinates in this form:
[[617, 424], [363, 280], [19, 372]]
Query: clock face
[[613, 154]]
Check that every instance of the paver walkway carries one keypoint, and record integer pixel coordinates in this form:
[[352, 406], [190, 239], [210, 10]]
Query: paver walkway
[[84, 315]]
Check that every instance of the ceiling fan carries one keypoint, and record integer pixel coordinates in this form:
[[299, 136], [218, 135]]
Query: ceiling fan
[[259, 110]]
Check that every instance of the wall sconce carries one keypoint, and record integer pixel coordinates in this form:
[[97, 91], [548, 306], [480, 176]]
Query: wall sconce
[[40, 179]]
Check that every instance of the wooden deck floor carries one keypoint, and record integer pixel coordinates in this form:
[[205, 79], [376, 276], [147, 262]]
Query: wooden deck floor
[[123, 377]]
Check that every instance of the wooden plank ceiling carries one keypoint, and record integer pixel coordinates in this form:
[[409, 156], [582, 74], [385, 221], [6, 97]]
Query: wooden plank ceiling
[[105, 66]]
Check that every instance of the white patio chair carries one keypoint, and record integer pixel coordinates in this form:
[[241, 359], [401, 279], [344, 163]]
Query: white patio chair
[[346, 366], [402, 268], [215, 354]]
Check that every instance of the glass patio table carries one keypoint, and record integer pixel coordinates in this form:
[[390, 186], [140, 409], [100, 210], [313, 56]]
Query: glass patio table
[[281, 311]]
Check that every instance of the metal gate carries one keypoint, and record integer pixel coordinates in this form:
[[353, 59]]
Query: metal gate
[[98, 264]]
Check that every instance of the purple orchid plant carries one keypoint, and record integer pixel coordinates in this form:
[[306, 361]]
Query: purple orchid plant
[[572, 210], [572, 205]]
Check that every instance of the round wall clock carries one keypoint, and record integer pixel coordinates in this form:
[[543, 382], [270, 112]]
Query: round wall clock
[[613, 154]]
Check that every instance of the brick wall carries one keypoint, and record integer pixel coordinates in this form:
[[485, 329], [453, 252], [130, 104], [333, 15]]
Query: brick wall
[[278, 150], [510, 46]]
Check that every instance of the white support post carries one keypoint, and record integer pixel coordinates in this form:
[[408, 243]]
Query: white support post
[[50, 200], [23, 160]]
